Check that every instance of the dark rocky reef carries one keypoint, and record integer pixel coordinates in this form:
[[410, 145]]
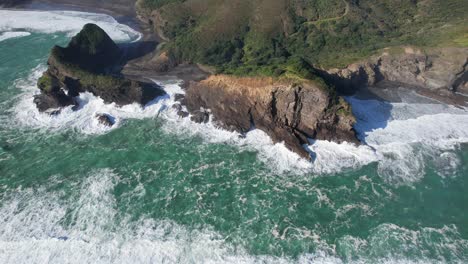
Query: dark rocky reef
[[90, 63], [105, 119], [288, 110]]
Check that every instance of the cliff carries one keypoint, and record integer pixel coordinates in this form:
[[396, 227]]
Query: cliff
[[436, 72], [288, 110], [89, 63]]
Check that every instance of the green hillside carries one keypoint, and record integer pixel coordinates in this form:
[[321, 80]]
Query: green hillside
[[273, 36]]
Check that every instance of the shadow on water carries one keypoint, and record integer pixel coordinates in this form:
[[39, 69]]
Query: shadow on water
[[371, 114]]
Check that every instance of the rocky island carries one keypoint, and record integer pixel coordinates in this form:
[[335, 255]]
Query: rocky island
[[90, 63]]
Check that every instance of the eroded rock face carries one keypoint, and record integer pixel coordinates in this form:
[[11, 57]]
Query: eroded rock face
[[286, 110], [88, 64], [442, 68]]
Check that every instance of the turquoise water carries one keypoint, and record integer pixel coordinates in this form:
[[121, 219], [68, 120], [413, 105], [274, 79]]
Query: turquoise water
[[149, 191]]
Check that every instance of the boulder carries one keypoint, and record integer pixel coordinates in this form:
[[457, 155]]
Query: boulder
[[45, 101], [199, 116], [105, 119]]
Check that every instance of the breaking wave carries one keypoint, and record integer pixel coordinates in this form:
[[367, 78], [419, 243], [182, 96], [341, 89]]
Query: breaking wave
[[13, 34], [70, 22], [47, 224], [401, 138]]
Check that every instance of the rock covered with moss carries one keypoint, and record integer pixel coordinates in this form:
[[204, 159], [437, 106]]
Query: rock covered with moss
[[89, 63], [91, 50]]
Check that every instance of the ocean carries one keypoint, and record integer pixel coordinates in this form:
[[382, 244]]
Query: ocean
[[157, 188]]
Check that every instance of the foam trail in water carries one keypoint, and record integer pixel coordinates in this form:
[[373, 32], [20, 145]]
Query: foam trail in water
[[40, 226], [70, 22], [49, 224], [83, 120], [13, 34], [400, 136]]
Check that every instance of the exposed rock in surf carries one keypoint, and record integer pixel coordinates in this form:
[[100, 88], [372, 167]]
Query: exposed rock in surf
[[200, 116], [89, 64], [179, 97], [183, 113], [105, 119], [287, 110], [52, 96], [177, 107]]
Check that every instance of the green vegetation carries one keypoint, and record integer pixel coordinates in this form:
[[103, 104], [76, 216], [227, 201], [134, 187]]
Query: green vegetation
[[104, 82], [91, 49], [92, 40], [45, 83], [272, 37]]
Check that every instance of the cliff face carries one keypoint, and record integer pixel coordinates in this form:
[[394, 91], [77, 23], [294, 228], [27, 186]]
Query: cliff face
[[439, 69], [287, 110], [88, 64]]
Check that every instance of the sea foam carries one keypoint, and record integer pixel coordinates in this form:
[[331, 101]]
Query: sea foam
[[13, 34], [48, 224], [400, 137], [70, 22]]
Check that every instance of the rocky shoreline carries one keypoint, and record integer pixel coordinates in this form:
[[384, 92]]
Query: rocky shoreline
[[437, 73], [288, 110]]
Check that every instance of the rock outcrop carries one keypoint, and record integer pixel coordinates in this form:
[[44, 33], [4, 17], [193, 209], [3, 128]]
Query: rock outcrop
[[105, 119], [288, 110], [437, 69], [90, 63]]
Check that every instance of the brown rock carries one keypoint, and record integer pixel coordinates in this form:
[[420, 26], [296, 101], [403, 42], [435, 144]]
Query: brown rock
[[432, 69], [287, 110]]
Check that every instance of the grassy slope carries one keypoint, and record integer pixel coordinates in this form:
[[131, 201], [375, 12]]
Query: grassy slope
[[271, 37]]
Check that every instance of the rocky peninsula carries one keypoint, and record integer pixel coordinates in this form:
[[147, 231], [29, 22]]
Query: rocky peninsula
[[288, 110], [244, 73]]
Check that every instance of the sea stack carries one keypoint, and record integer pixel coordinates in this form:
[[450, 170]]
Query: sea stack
[[90, 63]]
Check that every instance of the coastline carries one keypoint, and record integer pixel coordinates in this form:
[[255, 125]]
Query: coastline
[[124, 12], [140, 68]]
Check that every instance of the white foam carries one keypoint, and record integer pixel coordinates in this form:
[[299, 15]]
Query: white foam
[[84, 120], [40, 226], [13, 34], [50, 225], [389, 243], [400, 136], [70, 22]]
